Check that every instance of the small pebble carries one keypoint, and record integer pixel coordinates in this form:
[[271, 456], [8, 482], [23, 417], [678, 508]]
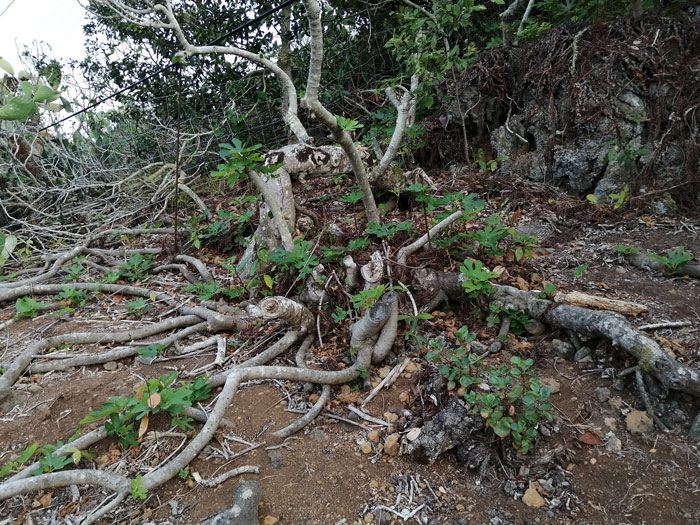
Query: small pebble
[[110, 366], [366, 447], [373, 436], [390, 417], [411, 367]]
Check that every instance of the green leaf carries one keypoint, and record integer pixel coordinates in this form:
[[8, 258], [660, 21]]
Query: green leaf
[[4, 64], [7, 246], [45, 94], [26, 87], [592, 198], [28, 307], [18, 108], [502, 427], [66, 104], [268, 281]]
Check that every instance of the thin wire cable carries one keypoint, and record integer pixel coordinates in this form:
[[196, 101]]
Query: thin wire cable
[[8, 6], [220, 39]]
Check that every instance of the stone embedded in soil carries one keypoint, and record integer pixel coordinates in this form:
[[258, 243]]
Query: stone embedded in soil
[[534, 327], [34, 388], [369, 517], [639, 422], [384, 371], [270, 520], [411, 367], [110, 366], [275, 458], [390, 417], [373, 436], [405, 397], [532, 498], [563, 349], [602, 393], [318, 435], [613, 444], [551, 383], [583, 355], [366, 447], [391, 444]]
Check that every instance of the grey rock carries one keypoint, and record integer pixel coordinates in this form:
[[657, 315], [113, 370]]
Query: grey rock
[[275, 458], [694, 433], [563, 349], [583, 353], [546, 485], [245, 507], [602, 393], [535, 327], [110, 366], [318, 435], [450, 427], [478, 348], [576, 168]]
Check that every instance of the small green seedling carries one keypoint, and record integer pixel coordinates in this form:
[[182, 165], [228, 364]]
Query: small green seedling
[[137, 307], [28, 307], [548, 291], [476, 278], [578, 272], [675, 258], [626, 250]]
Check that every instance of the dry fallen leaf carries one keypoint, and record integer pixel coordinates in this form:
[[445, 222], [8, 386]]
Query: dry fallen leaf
[[154, 400], [589, 438], [143, 426]]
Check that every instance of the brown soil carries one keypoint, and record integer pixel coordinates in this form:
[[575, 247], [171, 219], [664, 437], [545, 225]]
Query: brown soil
[[322, 476]]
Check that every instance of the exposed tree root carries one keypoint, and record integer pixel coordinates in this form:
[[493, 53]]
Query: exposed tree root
[[372, 336], [651, 358], [10, 294], [23, 360]]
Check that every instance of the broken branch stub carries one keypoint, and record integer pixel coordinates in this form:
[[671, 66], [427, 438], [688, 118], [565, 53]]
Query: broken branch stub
[[296, 314], [373, 271]]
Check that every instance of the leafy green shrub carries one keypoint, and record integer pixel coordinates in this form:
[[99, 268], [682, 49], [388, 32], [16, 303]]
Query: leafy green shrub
[[627, 250], [476, 278], [510, 400], [74, 272], [212, 290], [73, 297], [137, 307], [158, 395], [136, 268], [28, 307], [673, 259], [302, 258]]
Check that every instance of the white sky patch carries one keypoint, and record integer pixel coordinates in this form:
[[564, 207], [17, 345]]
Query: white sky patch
[[59, 23]]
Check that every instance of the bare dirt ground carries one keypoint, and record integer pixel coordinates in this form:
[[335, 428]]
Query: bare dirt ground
[[334, 472]]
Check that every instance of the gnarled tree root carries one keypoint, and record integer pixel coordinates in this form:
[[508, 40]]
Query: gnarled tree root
[[651, 358], [372, 331]]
